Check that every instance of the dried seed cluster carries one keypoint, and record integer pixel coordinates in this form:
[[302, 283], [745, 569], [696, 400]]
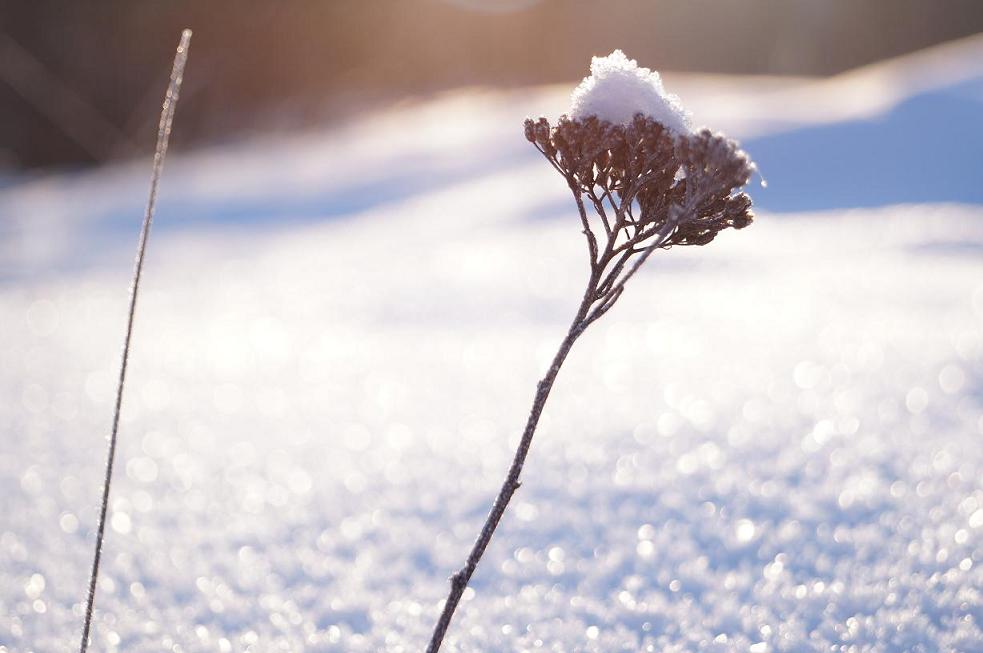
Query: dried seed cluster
[[645, 180]]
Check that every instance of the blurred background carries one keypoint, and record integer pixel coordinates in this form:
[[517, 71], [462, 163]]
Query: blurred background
[[359, 268], [79, 81]]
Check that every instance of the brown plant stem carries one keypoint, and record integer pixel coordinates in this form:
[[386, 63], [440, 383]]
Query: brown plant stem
[[459, 581], [163, 135], [585, 317]]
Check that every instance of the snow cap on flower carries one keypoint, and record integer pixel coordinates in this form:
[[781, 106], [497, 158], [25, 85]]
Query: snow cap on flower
[[618, 88]]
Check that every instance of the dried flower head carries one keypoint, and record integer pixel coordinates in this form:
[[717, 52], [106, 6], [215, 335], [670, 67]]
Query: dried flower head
[[650, 187], [645, 181], [628, 150]]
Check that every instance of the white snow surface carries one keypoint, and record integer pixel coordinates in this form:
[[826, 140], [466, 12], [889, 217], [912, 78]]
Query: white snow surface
[[617, 89], [771, 443]]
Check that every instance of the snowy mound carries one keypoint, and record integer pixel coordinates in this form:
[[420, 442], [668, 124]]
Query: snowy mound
[[618, 88], [312, 435]]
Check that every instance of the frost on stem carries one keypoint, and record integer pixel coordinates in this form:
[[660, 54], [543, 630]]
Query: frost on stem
[[651, 185]]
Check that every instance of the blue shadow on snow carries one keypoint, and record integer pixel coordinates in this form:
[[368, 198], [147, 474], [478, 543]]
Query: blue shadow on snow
[[927, 149]]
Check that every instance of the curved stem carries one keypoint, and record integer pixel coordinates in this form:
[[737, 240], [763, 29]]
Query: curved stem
[[459, 581]]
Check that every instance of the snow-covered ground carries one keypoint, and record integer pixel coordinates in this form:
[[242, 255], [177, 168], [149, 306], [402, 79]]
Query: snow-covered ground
[[772, 443]]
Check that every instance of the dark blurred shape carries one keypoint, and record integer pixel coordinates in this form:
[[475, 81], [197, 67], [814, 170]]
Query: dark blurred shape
[[80, 81]]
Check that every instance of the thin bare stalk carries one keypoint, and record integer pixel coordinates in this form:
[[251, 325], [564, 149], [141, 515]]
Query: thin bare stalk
[[163, 136], [581, 321], [459, 581]]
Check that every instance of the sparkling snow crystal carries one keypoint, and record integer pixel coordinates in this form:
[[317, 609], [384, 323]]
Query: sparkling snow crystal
[[617, 89]]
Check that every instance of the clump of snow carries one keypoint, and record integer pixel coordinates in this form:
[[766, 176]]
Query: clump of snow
[[618, 88]]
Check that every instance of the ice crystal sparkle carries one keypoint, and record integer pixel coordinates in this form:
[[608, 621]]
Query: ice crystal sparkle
[[618, 88]]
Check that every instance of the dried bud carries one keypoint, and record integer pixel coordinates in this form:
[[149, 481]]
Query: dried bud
[[530, 130]]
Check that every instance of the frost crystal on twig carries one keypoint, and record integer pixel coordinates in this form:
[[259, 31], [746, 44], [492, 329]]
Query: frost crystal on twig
[[651, 184]]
